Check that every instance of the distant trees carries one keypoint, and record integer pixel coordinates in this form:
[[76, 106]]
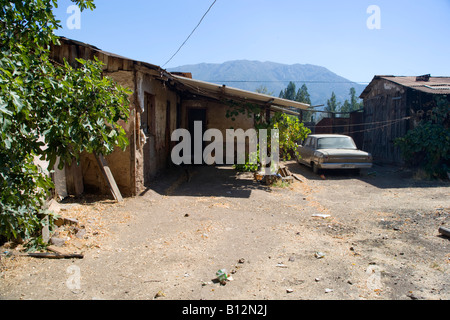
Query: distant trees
[[348, 106], [332, 105], [264, 90], [302, 95]]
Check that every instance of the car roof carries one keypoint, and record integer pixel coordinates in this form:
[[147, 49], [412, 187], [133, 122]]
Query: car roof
[[327, 136]]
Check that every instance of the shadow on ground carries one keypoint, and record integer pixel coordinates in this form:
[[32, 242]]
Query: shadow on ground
[[205, 181], [380, 176]]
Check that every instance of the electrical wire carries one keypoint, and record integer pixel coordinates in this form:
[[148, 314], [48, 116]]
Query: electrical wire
[[377, 128], [283, 81], [386, 122], [182, 45]]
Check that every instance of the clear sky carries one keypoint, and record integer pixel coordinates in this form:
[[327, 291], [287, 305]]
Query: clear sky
[[412, 38]]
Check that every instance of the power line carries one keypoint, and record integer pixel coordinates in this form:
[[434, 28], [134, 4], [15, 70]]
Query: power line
[[277, 81], [182, 45], [382, 123], [378, 127]]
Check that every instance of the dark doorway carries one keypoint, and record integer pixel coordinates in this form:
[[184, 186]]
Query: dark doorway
[[148, 125], [193, 116]]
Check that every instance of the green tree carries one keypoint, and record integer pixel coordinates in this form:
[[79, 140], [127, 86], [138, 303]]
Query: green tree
[[346, 106], [304, 97], [332, 105], [352, 105], [73, 110], [263, 89], [428, 144], [289, 93], [355, 103], [291, 131]]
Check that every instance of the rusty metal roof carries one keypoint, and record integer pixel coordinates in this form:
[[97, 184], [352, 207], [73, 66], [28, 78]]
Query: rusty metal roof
[[426, 83], [221, 91]]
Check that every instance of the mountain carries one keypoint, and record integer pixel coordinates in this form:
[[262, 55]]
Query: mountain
[[250, 75]]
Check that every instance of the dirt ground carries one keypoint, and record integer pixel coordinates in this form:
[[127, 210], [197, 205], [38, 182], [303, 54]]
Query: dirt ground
[[376, 238]]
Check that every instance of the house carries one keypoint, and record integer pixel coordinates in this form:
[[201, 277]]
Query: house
[[392, 106], [161, 102]]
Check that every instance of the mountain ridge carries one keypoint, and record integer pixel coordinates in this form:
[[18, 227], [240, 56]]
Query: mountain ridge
[[252, 74]]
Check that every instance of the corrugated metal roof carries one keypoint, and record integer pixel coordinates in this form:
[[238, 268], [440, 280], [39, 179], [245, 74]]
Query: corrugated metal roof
[[218, 91], [434, 85]]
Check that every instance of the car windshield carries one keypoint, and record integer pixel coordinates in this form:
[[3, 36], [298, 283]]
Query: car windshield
[[336, 143]]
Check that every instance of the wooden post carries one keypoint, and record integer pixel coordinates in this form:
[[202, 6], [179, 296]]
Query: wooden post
[[103, 164]]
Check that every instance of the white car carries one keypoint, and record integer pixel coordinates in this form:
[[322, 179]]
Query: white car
[[332, 151]]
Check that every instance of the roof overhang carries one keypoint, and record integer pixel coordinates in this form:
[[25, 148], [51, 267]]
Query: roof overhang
[[221, 92]]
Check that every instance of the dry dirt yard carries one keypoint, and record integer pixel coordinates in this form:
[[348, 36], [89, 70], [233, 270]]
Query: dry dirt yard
[[376, 238]]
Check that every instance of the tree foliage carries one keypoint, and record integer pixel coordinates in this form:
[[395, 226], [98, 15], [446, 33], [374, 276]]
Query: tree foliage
[[290, 129], [302, 95], [428, 144], [46, 111]]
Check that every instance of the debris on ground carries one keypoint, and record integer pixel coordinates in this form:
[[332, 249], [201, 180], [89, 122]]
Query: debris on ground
[[222, 276], [320, 215], [319, 255], [159, 294], [283, 175]]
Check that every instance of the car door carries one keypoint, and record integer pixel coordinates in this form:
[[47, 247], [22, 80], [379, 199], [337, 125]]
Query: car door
[[307, 150]]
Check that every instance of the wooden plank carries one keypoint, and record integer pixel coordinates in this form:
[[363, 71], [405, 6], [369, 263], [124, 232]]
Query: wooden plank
[[104, 168], [45, 255], [444, 231], [74, 179]]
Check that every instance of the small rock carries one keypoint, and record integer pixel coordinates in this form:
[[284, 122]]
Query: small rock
[[291, 259], [317, 279], [289, 290], [186, 215], [327, 290], [160, 294], [241, 261], [319, 255], [58, 242], [81, 232], [70, 221]]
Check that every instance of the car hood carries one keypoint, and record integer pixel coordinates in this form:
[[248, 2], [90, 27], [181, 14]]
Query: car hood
[[343, 152]]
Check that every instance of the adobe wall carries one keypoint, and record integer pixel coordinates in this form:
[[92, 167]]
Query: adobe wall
[[120, 162], [216, 118], [153, 149]]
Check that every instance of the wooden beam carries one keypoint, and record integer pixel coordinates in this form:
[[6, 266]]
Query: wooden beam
[[444, 231], [104, 168]]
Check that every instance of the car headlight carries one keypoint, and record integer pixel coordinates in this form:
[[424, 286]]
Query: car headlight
[[321, 157]]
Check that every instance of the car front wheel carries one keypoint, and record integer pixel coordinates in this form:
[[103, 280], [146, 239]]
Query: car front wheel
[[314, 167]]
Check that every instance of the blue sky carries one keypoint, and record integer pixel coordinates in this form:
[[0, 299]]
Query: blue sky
[[413, 38]]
